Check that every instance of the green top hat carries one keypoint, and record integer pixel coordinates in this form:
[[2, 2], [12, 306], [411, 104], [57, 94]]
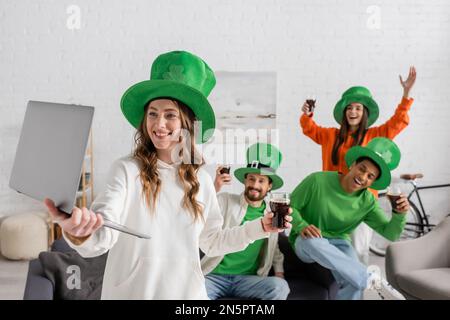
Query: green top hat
[[384, 152], [264, 159], [178, 75], [357, 94]]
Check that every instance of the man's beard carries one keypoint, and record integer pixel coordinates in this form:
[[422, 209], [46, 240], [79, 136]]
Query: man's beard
[[253, 197]]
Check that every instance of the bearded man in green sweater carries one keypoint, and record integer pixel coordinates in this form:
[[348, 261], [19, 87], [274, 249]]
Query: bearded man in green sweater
[[328, 206]]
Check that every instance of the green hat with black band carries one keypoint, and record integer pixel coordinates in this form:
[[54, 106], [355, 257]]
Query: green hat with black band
[[357, 95], [178, 75], [382, 151], [263, 159]]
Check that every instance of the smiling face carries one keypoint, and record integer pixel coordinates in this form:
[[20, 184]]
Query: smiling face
[[256, 186], [361, 175], [163, 123], [354, 113]]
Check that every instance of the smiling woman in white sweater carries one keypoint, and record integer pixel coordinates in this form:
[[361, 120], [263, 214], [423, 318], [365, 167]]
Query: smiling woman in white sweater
[[163, 190]]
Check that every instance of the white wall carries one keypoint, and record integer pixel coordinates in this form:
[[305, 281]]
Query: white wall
[[321, 46]]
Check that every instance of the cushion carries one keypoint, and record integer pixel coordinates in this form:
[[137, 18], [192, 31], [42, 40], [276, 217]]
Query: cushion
[[24, 236], [426, 284], [74, 277]]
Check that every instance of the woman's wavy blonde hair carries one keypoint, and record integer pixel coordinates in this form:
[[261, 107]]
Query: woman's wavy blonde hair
[[145, 154]]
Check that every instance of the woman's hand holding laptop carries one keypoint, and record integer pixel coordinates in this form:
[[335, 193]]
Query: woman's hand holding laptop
[[81, 223]]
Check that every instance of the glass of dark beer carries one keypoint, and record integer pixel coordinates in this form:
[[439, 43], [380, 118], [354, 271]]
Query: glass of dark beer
[[225, 169], [393, 193], [279, 205], [311, 102]]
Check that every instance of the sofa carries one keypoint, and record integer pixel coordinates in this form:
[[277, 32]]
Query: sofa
[[306, 281], [420, 268], [38, 286]]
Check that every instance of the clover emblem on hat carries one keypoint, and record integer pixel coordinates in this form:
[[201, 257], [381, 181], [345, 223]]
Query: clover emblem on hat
[[387, 156], [175, 73]]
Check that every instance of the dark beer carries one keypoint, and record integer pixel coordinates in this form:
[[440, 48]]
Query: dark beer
[[225, 170], [280, 209], [311, 104], [393, 199]]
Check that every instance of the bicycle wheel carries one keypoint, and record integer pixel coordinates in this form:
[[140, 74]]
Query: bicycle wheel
[[413, 227]]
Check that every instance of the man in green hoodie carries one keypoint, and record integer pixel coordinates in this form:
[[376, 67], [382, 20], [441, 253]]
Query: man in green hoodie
[[328, 206]]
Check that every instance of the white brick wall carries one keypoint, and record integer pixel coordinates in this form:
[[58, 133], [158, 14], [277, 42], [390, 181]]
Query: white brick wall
[[321, 46]]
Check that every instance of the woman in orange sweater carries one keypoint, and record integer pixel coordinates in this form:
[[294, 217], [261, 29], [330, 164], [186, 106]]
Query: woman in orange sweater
[[356, 111]]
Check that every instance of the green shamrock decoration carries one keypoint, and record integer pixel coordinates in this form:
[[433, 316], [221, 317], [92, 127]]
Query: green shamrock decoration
[[175, 73]]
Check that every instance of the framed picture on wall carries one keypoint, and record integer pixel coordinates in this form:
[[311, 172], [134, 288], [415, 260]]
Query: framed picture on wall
[[245, 108]]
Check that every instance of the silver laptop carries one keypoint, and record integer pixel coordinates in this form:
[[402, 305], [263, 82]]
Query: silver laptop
[[50, 155]]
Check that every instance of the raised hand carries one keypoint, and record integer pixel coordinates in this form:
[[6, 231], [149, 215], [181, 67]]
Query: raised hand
[[409, 82], [306, 110], [221, 179]]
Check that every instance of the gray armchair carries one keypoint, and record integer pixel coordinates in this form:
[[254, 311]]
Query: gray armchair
[[420, 268]]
